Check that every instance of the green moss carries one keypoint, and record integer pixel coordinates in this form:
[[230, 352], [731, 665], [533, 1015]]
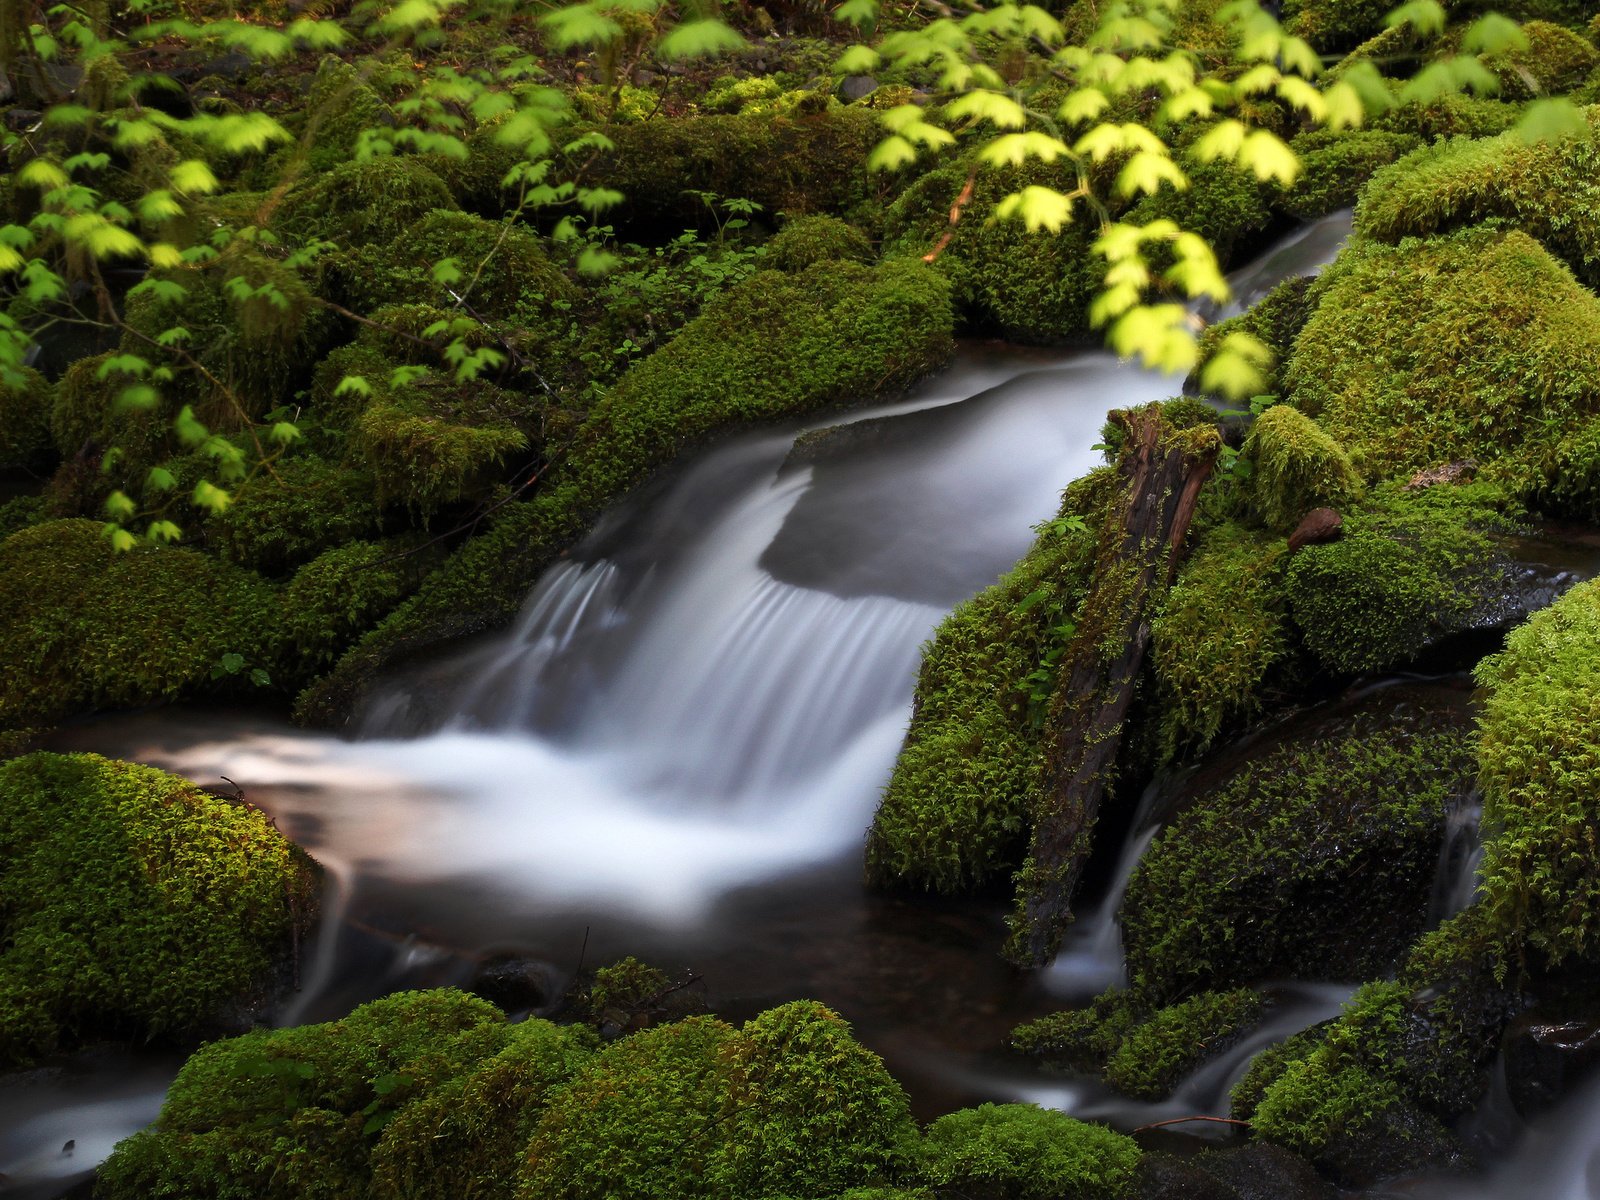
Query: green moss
[[809, 1111], [1296, 467], [304, 506], [1164, 1050], [1259, 881], [1020, 1150], [1549, 189], [1540, 769], [288, 1114], [1268, 1066], [20, 512], [1398, 579], [1476, 346], [1555, 60], [1450, 116], [1276, 320], [424, 459], [25, 406], [84, 418], [341, 103], [1083, 1039], [956, 809], [359, 202], [775, 346], [337, 597], [1335, 24], [807, 240], [1222, 636], [133, 904], [1335, 166], [83, 627]]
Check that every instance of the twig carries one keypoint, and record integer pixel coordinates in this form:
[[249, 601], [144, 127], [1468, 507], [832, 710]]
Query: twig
[[956, 209], [1183, 1120], [652, 1001]]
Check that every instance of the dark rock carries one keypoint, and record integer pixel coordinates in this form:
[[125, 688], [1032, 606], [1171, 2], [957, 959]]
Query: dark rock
[[235, 64], [19, 120], [1404, 1140], [1318, 525], [856, 87], [1262, 1171], [1545, 1060], [515, 985], [1165, 1176]]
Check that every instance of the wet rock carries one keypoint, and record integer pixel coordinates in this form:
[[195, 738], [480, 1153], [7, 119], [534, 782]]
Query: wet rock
[[1165, 1176], [1545, 1060], [514, 984], [1453, 472], [235, 64], [1262, 1171], [1318, 525], [857, 87], [1402, 1141], [19, 120]]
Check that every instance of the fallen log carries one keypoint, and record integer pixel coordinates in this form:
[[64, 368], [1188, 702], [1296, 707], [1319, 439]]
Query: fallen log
[[1141, 544]]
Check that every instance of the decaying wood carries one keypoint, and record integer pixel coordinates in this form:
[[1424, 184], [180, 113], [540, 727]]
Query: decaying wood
[[1141, 541]]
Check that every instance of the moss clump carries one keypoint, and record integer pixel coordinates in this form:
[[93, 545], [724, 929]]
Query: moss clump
[[1259, 880], [1555, 60], [1276, 320], [25, 405], [1476, 346], [1399, 578], [1162, 1051], [1540, 771], [775, 346], [337, 597], [290, 1113], [1022, 1151], [807, 240], [359, 202], [83, 627], [1549, 189], [1334, 24], [956, 809], [1222, 637], [133, 904], [1083, 1039], [1296, 467], [281, 519], [425, 452], [1335, 166], [341, 103]]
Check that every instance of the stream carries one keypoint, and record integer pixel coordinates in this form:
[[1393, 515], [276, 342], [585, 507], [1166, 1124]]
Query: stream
[[676, 751]]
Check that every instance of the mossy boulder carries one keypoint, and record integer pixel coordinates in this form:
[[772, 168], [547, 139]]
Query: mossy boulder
[[1477, 346], [1403, 575], [357, 203], [25, 404], [1275, 320], [1023, 1152], [775, 346], [1540, 756], [820, 238], [1258, 879], [1335, 24], [338, 596], [955, 814], [1335, 166], [1162, 1051], [134, 905], [1549, 189], [340, 103], [1296, 467], [85, 627], [303, 506], [1083, 1039], [1555, 60]]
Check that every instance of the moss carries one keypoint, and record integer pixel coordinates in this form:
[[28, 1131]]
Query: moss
[[360, 202], [1276, 320], [1083, 1039], [1296, 467], [25, 405], [20, 512], [341, 103], [775, 346], [1335, 24], [955, 812], [1539, 774], [83, 627], [1555, 60], [464, 1139], [1222, 637], [287, 1114], [304, 506], [1335, 166], [1450, 116], [337, 597], [1164, 1050], [1259, 880], [809, 1111], [1400, 577], [807, 240], [424, 459], [133, 904], [1549, 189], [1475, 346], [1020, 1150], [1268, 1066], [642, 1119], [84, 418]]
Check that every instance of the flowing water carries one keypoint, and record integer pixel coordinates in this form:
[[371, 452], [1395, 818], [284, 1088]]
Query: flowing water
[[676, 752]]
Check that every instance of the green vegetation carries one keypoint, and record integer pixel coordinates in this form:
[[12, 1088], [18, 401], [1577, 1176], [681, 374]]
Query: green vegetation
[[1021, 1151], [25, 408], [1157, 1055], [1296, 467], [134, 905], [807, 240]]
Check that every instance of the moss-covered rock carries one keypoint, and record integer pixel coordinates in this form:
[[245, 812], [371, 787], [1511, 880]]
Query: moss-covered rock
[[1404, 574], [337, 597], [25, 406], [955, 814], [775, 346], [1083, 1039], [340, 103], [1540, 758], [1550, 189], [1020, 1151], [1335, 166], [1296, 467], [1275, 320], [807, 240], [360, 202], [84, 627], [303, 506], [1335, 24], [1161, 1052], [134, 905], [1555, 60], [286, 1114], [1259, 879], [1478, 346]]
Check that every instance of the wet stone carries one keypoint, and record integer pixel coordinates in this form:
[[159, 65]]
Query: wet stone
[[1546, 1060]]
